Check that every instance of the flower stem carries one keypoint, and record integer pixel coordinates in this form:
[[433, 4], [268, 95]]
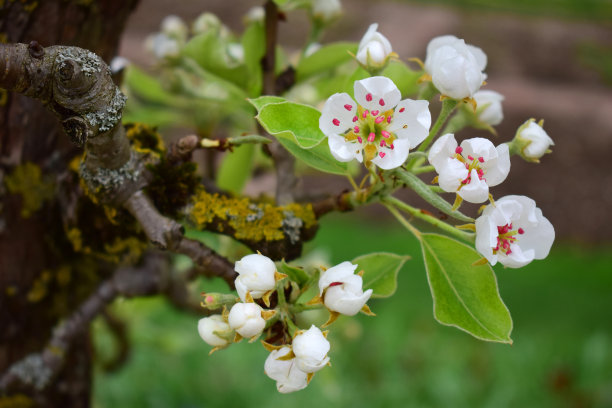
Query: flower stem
[[402, 220], [302, 307], [448, 106], [423, 169], [390, 201]]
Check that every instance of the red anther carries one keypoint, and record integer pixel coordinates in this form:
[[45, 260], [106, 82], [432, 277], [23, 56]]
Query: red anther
[[355, 118], [470, 158], [356, 129], [334, 284], [371, 137], [381, 154], [521, 231], [348, 107], [375, 112], [369, 97], [467, 166], [402, 109], [459, 149], [359, 139], [389, 119], [380, 119], [382, 143], [481, 159], [381, 102], [385, 134], [365, 114], [509, 251], [336, 122], [392, 147]]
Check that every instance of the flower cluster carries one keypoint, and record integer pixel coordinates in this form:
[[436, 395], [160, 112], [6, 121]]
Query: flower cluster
[[296, 354]]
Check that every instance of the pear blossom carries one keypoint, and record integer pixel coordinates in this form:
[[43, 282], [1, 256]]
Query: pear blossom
[[533, 141], [343, 289], [455, 67], [310, 348], [255, 275], [213, 330], [174, 27], [246, 319], [489, 107], [162, 46], [514, 232], [379, 128], [374, 49], [288, 377], [469, 169], [326, 10]]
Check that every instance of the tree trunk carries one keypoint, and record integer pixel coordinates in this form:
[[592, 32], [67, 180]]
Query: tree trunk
[[31, 244]]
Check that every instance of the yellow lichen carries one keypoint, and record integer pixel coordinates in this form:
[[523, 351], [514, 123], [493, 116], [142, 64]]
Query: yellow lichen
[[144, 138], [27, 180], [250, 221], [10, 291], [3, 95], [39, 287], [124, 250], [3, 36], [76, 239], [17, 400], [63, 275]]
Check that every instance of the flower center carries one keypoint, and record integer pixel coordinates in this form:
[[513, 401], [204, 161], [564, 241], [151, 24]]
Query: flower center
[[370, 130], [470, 163], [506, 236]]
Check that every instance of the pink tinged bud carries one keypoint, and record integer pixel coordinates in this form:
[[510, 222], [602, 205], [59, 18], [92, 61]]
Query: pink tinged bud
[[459, 149], [356, 129], [521, 231], [402, 109], [348, 107], [481, 159], [360, 140], [381, 154], [209, 299], [385, 134], [381, 102], [355, 119], [336, 122], [369, 97], [380, 119], [371, 137], [375, 113]]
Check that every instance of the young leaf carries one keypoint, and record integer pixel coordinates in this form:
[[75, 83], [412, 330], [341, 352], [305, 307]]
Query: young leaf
[[235, 169], [262, 101], [380, 272], [253, 43], [302, 121], [317, 157], [296, 274], [404, 78], [325, 58], [464, 295]]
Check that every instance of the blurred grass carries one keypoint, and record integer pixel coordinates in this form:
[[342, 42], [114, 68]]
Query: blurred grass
[[562, 352], [599, 10]]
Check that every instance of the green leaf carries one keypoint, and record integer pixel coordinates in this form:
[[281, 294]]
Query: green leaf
[[325, 58], [404, 77], [317, 157], [427, 194], [380, 272], [302, 121], [464, 295], [235, 169], [146, 87], [262, 101], [253, 43], [296, 274]]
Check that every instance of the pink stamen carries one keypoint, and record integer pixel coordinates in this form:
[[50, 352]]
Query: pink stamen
[[402, 109], [382, 143], [356, 129], [380, 119], [359, 139], [459, 149], [365, 113], [355, 119], [336, 122], [371, 137], [521, 231], [382, 154], [369, 97], [389, 119], [375, 112], [470, 158], [381, 102], [392, 147], [385, 134], [481, 159], [348, 107]]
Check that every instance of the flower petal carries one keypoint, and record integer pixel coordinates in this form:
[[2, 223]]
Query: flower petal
[[476, 191], [337, 114], [498, 172], [337, 273], [411, 120], [342, 150], [393, 157], [451, 174], [442, 149], [377, 93]]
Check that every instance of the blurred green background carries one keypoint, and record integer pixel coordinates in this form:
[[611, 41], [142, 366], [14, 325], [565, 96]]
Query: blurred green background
[[552, 59]]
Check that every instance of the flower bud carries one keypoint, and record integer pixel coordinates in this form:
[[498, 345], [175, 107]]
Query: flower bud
[[374, 50], [310, 348], [326, 10], [246, 319], [343, 289], [208, 22], [174, 27], [214, 330], [455, 67], [288, 376], [531, 141], [214, 301], [256, 275], [489, 107], [162, 46], [254, 15]]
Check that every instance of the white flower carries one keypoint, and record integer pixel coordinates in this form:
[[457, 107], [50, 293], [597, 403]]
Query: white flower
[[174, 27], [489, 107], [211, 328], [374, 49], [513, 232], [208, 22], [469, 170], [343, 289], [379, 128], [162, 46], [455, 67], [256, 275], [288, 376], [310, 348], [326, 10], [534, 140], [246, 319], [118, 64], [255, 14]]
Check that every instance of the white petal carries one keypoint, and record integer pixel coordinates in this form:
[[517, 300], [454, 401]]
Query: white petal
[[434, 44], [338, 273], [486, 238], [476, 191], [241, 288], [455, 71], [479, 147], [499, 171], [489, 106], [413, 122], [342, 150], [451, 174], [310, 349], [369, 35], [342, 301], [393, 157], [517, 258], [442, 149], [207, 328], [481, 57], [383, 93], [337, 114]]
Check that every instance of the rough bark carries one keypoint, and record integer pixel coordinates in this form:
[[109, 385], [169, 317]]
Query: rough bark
[[30, 133]]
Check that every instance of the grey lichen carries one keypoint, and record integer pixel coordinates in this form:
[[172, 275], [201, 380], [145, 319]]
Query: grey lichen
[[292, 226], [108, 118], [89, 62], [103, 180], [33, 371], [259, 213]]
